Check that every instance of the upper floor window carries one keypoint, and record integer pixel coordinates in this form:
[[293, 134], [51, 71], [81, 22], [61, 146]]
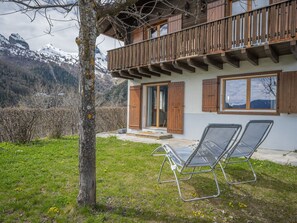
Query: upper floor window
[[158, 30], [241, 6], [251, 93]]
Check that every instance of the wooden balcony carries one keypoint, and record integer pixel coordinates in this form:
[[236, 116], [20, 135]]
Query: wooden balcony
[[265, 32]]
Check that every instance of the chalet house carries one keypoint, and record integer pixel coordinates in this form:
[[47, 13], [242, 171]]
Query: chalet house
[[197, 62]]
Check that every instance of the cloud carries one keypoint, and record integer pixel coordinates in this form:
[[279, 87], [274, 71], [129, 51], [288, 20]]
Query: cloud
[[62, 35]]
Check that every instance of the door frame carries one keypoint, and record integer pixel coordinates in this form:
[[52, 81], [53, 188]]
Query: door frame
[[157, 84]]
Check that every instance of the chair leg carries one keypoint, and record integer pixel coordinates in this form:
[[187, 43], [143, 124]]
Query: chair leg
[[239, 182], [173, 168], [160, 173], [191, 175], [170, 181], [197, 198]]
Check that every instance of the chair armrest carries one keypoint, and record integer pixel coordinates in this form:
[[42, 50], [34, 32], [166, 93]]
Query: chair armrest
[[159, 151]]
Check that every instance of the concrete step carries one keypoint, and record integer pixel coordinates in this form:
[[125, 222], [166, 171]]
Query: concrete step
[[152, 135]]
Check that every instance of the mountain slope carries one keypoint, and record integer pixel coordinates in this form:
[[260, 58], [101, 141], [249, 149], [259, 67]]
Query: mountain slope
[[117, 95], [20, 77], [23, 71]]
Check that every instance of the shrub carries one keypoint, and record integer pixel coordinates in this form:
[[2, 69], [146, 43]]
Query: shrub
[[22, 124], [18, 125]]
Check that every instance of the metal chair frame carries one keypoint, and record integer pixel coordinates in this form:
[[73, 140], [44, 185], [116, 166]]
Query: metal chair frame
[[227, 160], [182, 168]]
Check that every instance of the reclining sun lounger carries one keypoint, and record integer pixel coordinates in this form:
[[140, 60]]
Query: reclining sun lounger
[[253, 136], [214, 143]]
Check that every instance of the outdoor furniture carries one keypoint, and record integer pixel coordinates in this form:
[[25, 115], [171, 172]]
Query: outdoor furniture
[[253, 136], [215, 142]]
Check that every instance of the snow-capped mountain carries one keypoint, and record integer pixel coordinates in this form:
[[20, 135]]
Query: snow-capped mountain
[[18, 41], [22, 69], [17, 46], [3, 40], [49, 52]]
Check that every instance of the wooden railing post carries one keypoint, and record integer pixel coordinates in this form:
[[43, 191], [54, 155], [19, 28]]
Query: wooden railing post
[[293, 18]]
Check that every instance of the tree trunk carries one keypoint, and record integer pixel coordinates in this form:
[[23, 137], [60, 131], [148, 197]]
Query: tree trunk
[[87, 140]]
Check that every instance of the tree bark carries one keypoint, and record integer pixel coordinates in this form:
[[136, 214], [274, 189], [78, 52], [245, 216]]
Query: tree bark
[[87, 136]]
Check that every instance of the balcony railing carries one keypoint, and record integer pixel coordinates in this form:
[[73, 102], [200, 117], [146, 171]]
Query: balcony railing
[[271, 24]]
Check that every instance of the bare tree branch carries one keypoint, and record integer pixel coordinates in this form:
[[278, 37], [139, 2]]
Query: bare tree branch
[[35, 5]]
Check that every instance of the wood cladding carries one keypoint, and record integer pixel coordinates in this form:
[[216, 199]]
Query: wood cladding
[[174, 23], [288, 92], [216, 10], [137, 35], [196, 15], [210, 95], [177, 21], [135, 107], [175, 118]]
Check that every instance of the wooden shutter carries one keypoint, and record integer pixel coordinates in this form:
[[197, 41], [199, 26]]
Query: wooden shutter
[[137, 35], [175, 119], [215, 10], [210, 95], [175, 23], [288, 92], [135, 107]]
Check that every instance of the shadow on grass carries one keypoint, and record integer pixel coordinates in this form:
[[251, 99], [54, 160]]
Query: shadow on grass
[[266, 200], [142, 215], [263, 180], [49, 141]]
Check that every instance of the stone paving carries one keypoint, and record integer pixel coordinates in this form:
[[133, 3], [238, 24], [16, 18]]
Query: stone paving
[[277, 156]]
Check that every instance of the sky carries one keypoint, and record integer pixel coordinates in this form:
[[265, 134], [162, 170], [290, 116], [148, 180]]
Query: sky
[[62, 36]]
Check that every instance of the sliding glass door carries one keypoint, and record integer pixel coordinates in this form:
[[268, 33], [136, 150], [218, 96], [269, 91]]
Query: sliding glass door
[[157, 105]]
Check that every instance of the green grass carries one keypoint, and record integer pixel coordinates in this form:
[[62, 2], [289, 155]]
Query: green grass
[[39, 183]]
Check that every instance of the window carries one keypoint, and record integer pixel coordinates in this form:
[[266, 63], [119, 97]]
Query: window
[[158, 30], [241, 6], [250, 93]]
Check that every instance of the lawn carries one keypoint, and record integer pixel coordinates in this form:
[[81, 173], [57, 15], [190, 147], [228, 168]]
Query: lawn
[[39, 183]]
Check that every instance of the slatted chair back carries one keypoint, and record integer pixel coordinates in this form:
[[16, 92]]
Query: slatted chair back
[[254, 134], [214, 143]]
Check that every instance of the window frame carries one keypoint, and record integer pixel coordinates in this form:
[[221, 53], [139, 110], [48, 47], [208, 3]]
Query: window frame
[[247, 110], [158, 27], [249, 6]]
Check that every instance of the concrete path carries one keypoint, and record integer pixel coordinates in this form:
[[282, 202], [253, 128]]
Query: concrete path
[[277, 156]]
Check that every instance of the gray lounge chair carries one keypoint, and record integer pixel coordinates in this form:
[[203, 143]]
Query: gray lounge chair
[[215, 142], [253, 136]]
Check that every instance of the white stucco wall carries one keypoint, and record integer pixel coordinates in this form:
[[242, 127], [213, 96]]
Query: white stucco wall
[[283, 135]]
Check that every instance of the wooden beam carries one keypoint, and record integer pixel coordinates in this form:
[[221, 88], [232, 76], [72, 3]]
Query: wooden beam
[[250, 57], [195, 63], [169, 67], [107, 28], [125, 73], [134, 71], [117, 75], [270, 52], [183, 66], [216, 64], [228, 59], [156, 69], [146, 71], [293, 48]]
